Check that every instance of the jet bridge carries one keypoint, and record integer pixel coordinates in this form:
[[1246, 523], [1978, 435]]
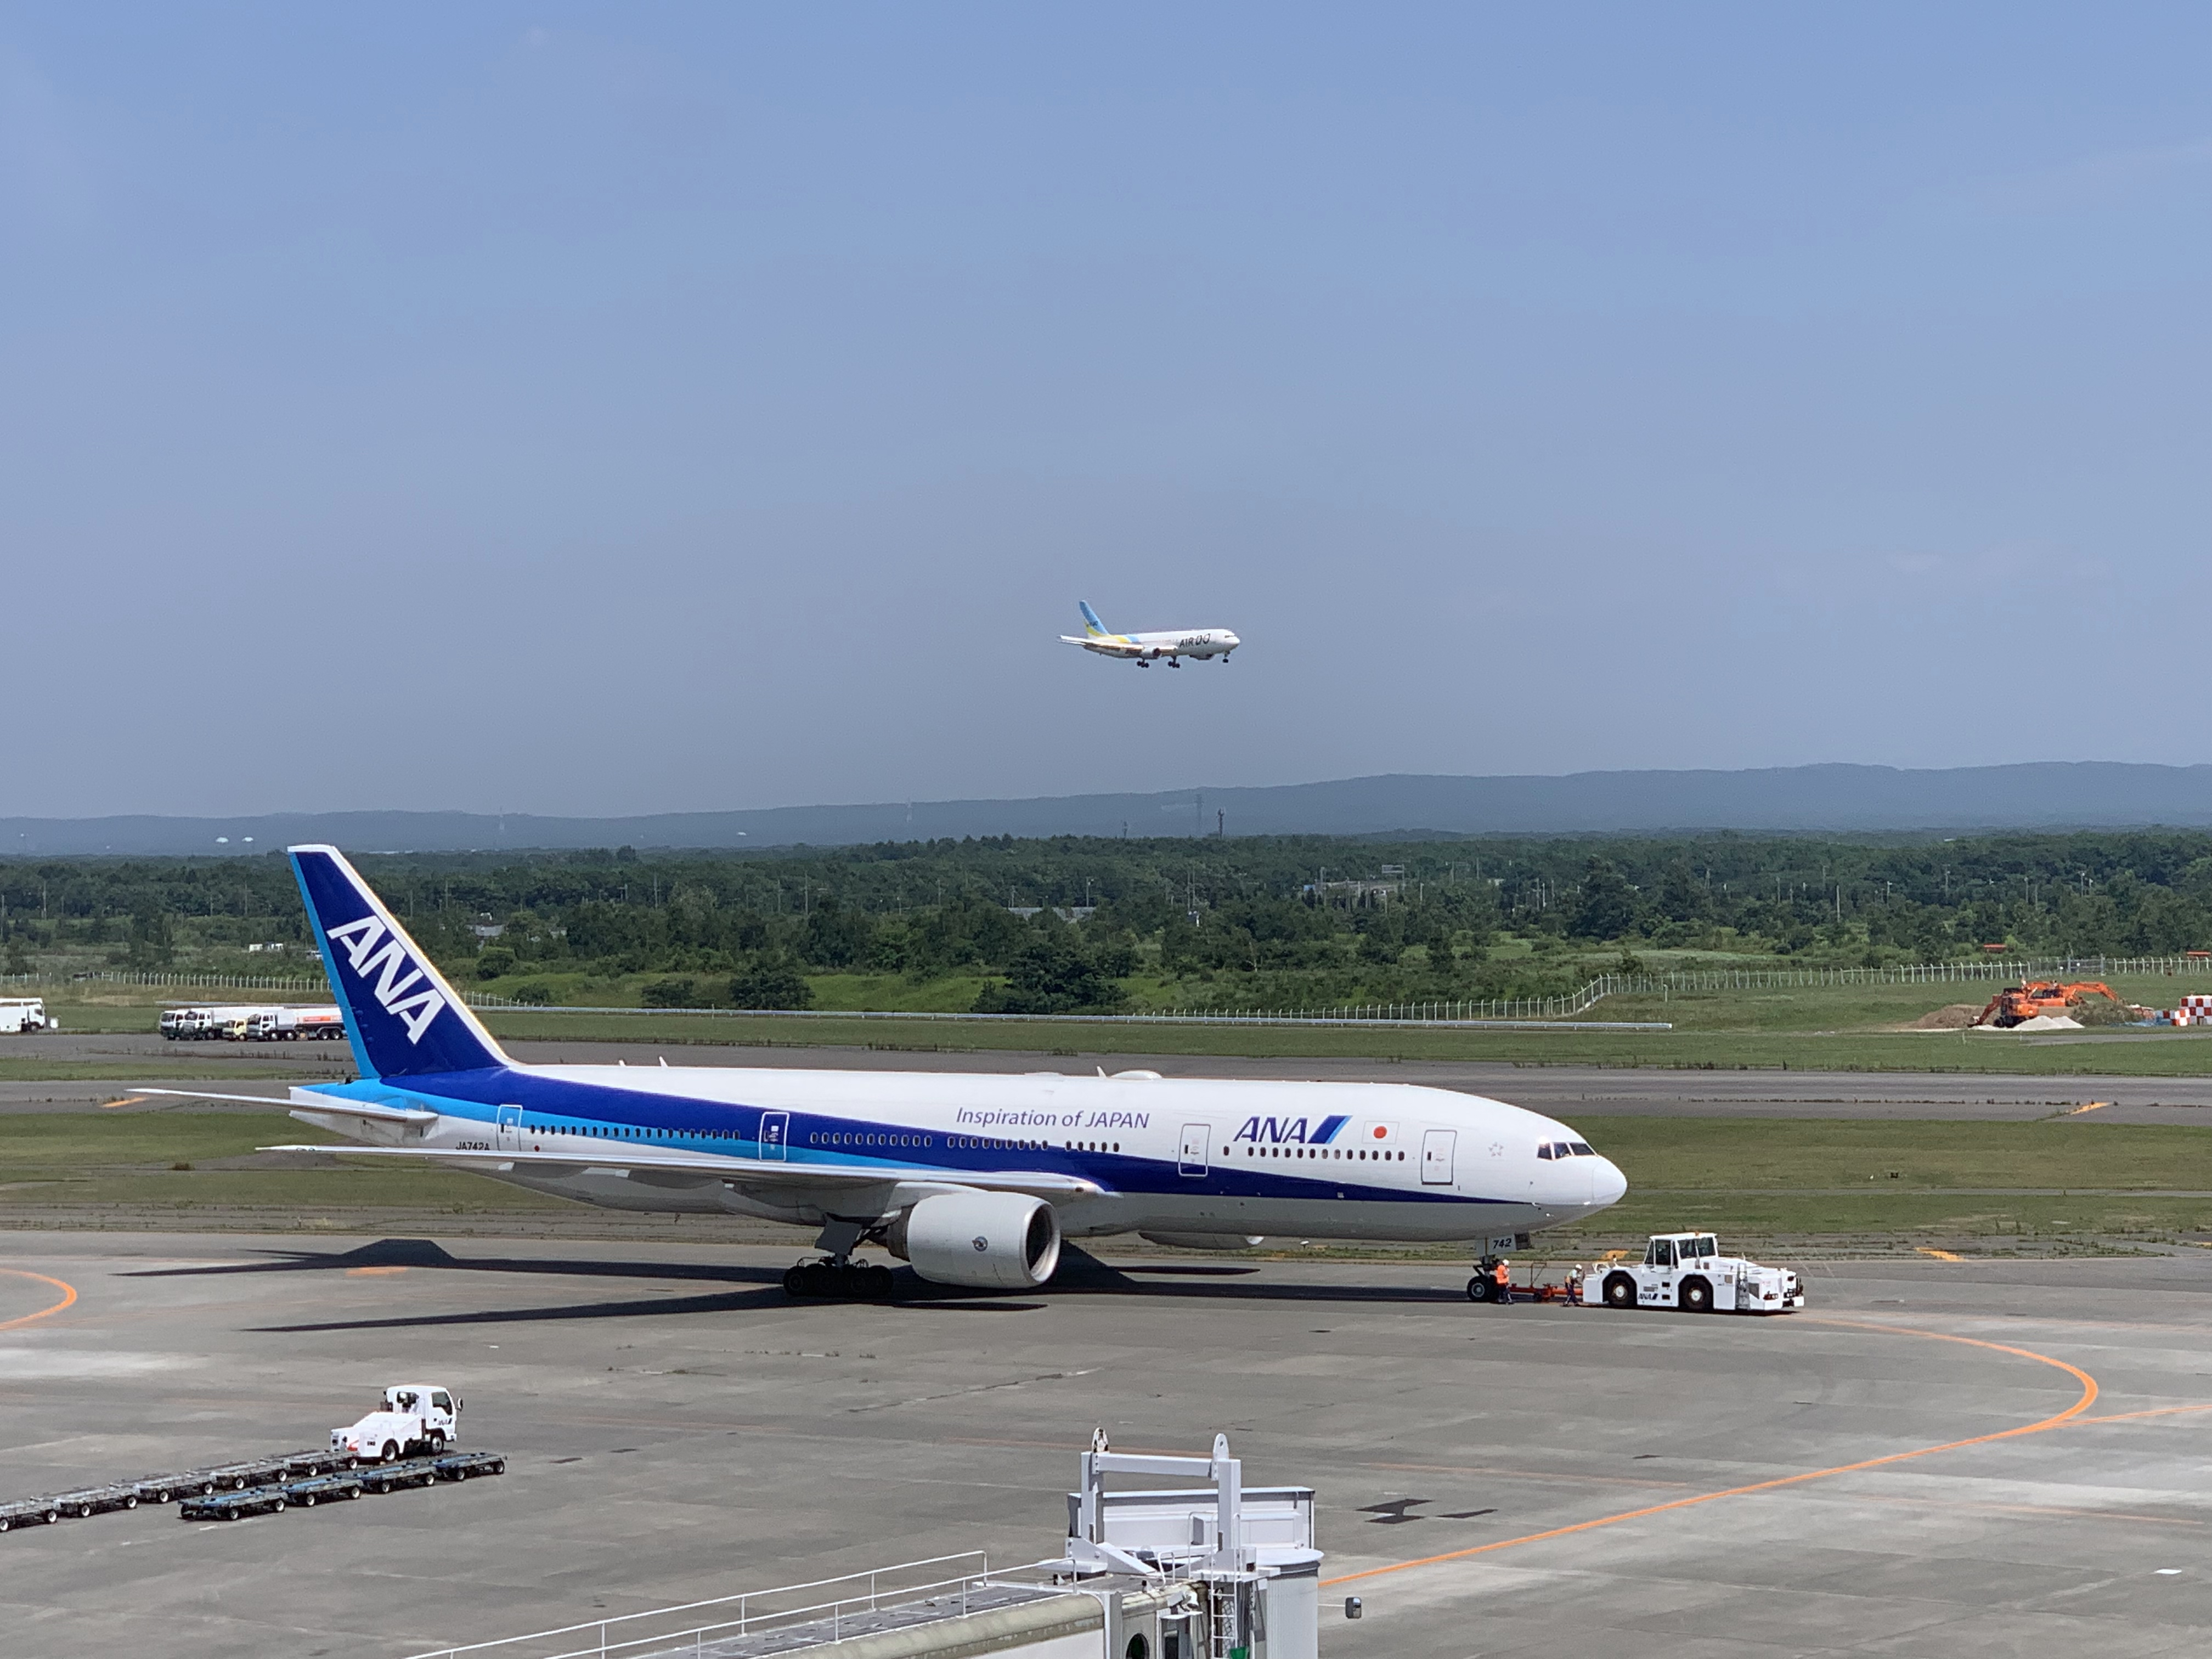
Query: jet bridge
[[1211, 1569]]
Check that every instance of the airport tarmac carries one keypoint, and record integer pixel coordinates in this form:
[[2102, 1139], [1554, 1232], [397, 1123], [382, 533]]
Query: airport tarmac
[[1935, 1459], [1567, 1092]]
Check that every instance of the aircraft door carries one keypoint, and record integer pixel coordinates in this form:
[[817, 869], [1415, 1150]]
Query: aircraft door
[[1437, 1157], [775, 1132], [510, 1127], [1196, 1139]]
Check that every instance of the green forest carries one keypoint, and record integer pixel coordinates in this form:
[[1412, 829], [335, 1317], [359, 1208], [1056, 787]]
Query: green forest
[[1258, 922]]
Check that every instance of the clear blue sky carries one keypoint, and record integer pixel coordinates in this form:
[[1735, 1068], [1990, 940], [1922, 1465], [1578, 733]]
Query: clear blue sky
[[600, 409]]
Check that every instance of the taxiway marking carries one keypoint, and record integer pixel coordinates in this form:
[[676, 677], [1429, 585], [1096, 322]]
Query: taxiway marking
[[69, 1295], [2088, 1398]]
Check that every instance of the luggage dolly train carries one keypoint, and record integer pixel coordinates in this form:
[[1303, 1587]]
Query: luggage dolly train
[[1683, 1271], [405, 1441]]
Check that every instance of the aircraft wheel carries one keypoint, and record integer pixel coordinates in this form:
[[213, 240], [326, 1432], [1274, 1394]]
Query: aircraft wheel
[[1619, 1291], [1478, 1289], [812, 1281]]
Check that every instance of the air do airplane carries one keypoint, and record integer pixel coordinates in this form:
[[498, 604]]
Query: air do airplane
[[1145, 649], [974, 1179]]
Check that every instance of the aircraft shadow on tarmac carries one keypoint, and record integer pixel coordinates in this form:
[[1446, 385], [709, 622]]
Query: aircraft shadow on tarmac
[[757, 1288], [391, 1253]]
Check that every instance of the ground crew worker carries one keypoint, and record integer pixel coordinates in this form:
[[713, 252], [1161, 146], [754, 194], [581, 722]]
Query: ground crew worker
[[1501, 1278]]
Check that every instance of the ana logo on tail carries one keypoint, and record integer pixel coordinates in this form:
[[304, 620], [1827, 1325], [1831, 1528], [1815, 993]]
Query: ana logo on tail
[[360, 939]]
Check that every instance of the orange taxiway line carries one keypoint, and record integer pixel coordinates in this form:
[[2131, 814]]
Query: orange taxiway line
[[2088, 1398], [69, 1295]]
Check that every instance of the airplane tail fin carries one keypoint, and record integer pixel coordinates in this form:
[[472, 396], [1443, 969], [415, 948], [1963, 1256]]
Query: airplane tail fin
[[401, 1017], [1091, 622]]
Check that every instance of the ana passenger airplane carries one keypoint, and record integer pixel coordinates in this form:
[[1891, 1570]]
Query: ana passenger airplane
[[974, 1179], [1146, 649]]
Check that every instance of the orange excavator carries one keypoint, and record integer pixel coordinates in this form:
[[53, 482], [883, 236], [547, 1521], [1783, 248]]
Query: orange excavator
[[2015, 1003]]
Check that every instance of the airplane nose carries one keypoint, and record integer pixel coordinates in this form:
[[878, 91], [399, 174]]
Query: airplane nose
[[1607, 1184]]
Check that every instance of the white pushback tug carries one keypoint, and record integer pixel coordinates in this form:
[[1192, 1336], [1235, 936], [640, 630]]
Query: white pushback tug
[[1687, 1271]]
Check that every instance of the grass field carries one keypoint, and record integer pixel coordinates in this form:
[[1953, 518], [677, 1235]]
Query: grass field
[[200, 1160], [2012, 1182], [1876, 1184], [1821, 1027]]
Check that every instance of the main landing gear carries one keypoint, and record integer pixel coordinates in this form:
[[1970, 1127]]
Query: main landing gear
[[836, 1277], [838, 1281]]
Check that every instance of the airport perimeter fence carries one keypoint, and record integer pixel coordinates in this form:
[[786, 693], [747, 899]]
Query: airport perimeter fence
[[183, 981], [1495, 1013]]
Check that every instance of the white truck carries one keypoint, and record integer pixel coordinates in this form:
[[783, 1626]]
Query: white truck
[[204, 1022], [1687, 1271], [19, 1014], [288, 1025], [412, 1418]]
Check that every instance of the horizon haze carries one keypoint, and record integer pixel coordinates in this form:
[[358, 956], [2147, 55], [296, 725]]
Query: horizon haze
[[1807, 801]]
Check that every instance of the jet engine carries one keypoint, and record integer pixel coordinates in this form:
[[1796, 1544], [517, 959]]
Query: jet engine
[[986, 1240]]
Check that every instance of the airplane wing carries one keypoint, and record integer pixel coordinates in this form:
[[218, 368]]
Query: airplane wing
[[335, 1106], [1110, 646], [762, 1172]]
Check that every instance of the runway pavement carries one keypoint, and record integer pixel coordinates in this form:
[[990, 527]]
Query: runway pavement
[[1568, 1092], [1937, 1459]]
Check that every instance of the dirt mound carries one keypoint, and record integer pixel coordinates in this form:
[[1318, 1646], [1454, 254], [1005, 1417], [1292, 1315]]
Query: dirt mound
[[1955, 1017]]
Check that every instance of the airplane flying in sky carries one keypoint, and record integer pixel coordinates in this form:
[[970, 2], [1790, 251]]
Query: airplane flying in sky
[[974, 1179], [1146, 649]]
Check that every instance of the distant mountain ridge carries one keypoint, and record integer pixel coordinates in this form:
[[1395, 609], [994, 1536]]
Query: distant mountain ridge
[[2031, 795]]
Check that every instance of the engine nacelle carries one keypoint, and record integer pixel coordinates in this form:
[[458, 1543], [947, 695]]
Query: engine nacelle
[[986, 1240], [1205, 1241]]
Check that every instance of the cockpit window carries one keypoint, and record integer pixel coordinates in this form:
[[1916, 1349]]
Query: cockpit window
[[1545, 1150], [1581, 1149]]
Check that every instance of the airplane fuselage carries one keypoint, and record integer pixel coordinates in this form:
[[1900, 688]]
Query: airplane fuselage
[[1189, 1156], [1174, 645]]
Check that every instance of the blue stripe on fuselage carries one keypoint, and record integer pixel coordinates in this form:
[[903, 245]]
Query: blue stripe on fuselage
[[679, 1123]]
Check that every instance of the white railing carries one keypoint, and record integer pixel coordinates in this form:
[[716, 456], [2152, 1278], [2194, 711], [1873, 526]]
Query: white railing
[[637, 1633], [207, 982]]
